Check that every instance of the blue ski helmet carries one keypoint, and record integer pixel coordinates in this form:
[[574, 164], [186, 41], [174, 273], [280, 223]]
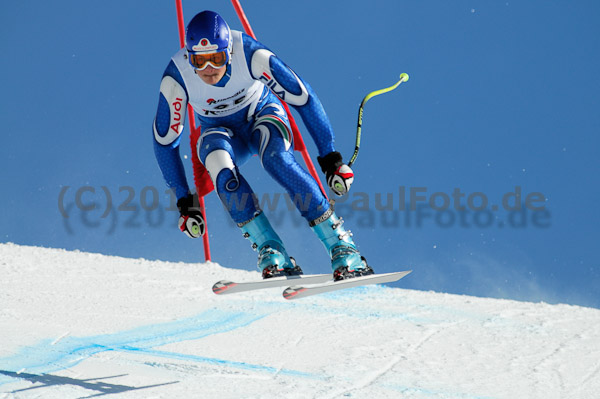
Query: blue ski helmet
[[208, 33]]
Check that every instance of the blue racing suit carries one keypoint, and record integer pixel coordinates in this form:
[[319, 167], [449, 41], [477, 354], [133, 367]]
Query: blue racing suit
[[239, 117]]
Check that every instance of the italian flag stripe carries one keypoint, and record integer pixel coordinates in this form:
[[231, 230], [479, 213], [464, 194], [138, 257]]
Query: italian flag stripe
[[283, 127]]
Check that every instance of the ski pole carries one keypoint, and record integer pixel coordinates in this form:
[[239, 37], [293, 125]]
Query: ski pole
[[403, 78]]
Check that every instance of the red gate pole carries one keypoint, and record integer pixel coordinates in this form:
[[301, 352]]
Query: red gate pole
[[192, 124], [298, 140]]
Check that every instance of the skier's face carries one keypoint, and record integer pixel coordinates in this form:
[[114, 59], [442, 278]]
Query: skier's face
[[211, 75]]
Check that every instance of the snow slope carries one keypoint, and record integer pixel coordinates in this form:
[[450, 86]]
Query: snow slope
[[77, 325]]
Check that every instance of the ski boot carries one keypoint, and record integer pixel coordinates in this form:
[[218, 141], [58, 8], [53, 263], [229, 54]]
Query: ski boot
[[346, 261], [273, 260]]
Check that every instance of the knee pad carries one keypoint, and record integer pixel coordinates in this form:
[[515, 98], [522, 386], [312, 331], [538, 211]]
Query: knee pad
[[218, 161], [215, 151]]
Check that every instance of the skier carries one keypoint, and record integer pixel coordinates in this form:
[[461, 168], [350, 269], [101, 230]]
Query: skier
[[235, 84]]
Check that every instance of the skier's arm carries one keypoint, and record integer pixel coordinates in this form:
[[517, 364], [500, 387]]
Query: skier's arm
[[269, 69], [167, 127]]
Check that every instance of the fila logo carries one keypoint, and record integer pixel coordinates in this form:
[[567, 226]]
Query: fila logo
[[272, 84]]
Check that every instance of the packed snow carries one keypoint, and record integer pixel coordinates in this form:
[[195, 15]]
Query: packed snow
[[76, 324]]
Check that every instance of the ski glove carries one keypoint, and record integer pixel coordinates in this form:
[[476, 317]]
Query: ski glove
[[191, 221], [339, 175]]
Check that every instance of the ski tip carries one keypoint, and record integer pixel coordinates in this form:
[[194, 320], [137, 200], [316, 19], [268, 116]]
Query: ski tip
[[291, 292], [402, 274], [221, 287]]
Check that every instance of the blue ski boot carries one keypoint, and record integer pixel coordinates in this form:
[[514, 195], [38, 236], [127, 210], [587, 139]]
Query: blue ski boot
[[273, 260], [346, 261]]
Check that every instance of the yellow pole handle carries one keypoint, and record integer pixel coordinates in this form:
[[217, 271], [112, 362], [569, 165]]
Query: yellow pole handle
[[403, 78]]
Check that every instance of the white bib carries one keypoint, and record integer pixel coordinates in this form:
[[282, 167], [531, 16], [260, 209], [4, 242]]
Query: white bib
[[212, 101]]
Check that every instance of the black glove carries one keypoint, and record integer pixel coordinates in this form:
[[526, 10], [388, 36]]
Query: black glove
[[339, 175], [191, 220]]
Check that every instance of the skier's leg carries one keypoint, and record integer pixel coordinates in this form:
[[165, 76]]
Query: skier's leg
[[346, 261], [217, 151], [275, 151], [273, 259], [272, 137]]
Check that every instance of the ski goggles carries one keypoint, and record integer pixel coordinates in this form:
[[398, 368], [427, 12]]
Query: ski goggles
[[201, 61]]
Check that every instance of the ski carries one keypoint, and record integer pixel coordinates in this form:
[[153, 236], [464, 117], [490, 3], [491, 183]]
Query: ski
[[296, 292], [230, 287]]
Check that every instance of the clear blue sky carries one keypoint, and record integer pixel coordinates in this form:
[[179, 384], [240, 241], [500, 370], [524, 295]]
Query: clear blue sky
[[502, 94]]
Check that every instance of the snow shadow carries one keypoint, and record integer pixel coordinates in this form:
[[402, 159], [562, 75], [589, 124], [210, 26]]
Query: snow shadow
[[92, 384]]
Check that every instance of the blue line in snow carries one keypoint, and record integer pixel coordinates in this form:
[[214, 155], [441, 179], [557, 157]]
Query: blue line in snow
[[45, 358], [223, 362]]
